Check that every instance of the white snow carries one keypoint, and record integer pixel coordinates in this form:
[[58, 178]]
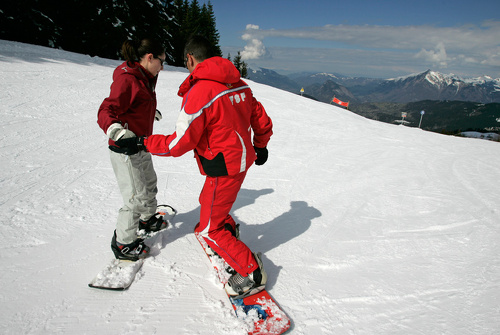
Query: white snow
[[365, 227]]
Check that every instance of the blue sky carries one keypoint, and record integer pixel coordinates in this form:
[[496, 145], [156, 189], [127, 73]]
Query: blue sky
[[380, 39]]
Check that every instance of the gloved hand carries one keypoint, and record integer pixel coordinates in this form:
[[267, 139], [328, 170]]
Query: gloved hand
[[262, 154], [158, 116], [128, 146], [116, 132]]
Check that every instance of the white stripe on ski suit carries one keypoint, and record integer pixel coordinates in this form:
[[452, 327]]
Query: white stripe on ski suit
[[204, 232], [184, 121]]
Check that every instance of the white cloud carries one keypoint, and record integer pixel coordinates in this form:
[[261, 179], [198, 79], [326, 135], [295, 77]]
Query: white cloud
[[253, 50], [437, 57], [252, 26], [255, 47], [431, 46]]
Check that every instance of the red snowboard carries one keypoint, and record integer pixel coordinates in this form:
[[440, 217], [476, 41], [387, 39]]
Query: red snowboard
[[260, 311]]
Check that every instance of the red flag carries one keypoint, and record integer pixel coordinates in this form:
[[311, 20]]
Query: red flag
[[341, 103]]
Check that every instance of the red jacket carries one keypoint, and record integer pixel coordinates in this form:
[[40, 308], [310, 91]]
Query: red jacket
[[217, 118], [131, 102]]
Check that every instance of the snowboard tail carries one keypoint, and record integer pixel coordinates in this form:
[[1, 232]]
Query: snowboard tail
[[263, 311], [259, 311]]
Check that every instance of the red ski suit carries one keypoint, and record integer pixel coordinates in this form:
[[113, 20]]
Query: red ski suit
[[217, 118]]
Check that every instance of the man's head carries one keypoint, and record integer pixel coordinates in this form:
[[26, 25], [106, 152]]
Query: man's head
[[197, 49]]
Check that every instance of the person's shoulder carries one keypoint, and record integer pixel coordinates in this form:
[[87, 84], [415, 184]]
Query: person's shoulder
[[207, 87], [125, 73]]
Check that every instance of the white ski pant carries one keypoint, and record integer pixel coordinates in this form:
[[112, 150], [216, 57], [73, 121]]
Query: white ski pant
[[137, 182]]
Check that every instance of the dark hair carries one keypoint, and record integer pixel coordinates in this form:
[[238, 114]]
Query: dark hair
[[200, 47], [134, 50]]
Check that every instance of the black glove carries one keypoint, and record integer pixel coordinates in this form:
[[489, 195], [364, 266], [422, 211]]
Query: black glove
[[262, 154], [128, 146]]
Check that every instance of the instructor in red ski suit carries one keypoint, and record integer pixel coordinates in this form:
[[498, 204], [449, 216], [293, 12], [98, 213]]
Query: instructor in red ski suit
[[218, 115]]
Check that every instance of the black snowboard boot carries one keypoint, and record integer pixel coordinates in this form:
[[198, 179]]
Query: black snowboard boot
[[130, 252], [154, 224], [159, 221]]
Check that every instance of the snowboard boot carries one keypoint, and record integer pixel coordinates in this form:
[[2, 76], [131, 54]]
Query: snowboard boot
[[154, 224], [159, 221], [240, 287], [130, 252]]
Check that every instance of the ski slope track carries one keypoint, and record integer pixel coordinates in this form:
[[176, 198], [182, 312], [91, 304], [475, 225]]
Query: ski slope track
[[365, 227]]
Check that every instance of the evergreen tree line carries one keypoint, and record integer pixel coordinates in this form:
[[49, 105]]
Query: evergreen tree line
[[239, 64], [99, 27]]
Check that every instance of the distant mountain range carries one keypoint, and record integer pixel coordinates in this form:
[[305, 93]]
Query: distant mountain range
[[451, 103], [429, 85]]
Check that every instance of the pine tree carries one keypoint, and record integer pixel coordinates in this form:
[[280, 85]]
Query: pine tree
[[237, 61], [171, 25], [178, 31], [193, 20], [209, 27], [99, 27], [240, 65], [244, 70], [25, 21], [192, 25]]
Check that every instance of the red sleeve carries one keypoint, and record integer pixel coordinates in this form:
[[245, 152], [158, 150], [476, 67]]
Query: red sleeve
[[159, 144], [262, 125], [189, 128], [116, 104]]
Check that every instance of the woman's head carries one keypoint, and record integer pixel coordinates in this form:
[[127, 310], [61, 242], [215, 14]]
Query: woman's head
[[148, 52]]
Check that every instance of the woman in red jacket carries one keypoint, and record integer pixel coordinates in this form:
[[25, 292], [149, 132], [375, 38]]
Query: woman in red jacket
[[217, 119], [130, 111]]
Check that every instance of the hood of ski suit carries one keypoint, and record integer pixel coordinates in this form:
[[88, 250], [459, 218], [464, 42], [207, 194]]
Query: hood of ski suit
[[217, 69]]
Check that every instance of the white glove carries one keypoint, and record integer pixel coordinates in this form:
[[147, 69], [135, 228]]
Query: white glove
[[116, 132], [158, 116]]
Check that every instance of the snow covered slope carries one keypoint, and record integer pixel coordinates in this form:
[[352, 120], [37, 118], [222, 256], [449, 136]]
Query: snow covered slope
[[365, 227]]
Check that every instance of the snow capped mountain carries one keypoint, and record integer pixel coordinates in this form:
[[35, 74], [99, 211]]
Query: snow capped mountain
[[428, 85], [432, 85], [325, 75], [440, 79]]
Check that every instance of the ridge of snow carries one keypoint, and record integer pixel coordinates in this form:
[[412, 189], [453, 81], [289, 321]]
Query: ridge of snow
[[324, 74]]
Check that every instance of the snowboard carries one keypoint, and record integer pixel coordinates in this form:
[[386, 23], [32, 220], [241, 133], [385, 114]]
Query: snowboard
[[117, 275], [120, 274], [258, 311]]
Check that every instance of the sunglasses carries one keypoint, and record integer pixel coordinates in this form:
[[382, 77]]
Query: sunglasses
[[186, 59], [161, 60]]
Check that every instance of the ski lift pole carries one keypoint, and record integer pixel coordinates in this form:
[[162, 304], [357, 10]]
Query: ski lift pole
[[421, 116]]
